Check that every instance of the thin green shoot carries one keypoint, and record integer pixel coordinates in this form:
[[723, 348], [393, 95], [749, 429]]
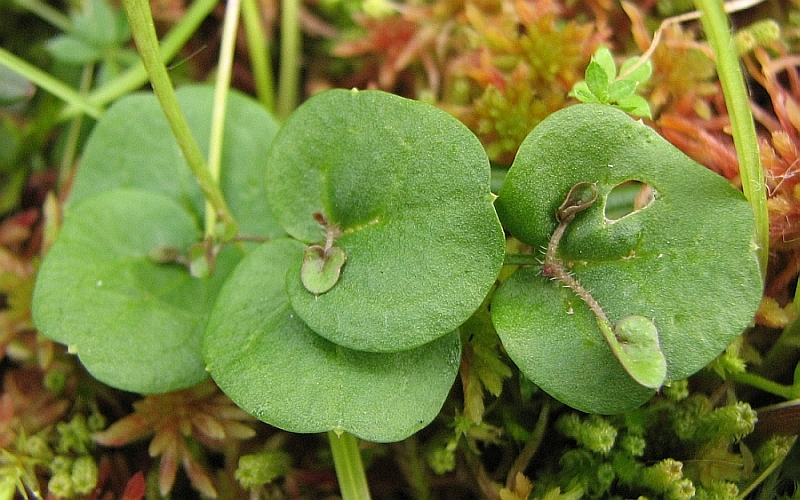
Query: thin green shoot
[[258, 48], [221, 89], [47, 13], [47, 82], [142, 27], [349, 466], [289, 78], [136, 75], [715, 23]]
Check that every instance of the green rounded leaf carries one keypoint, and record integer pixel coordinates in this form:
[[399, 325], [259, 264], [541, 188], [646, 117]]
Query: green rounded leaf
[[135, 324], [634, 341], [407, 185], [132, 146], [685, 261], [321, 269], [276, 368]]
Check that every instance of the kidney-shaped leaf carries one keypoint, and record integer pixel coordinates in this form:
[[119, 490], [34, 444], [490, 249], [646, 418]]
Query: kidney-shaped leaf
[[684, 261], [276, 368], [132, 146], [136, 325], [408, 187]]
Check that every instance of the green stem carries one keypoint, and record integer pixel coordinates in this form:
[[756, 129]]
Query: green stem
[[521, 259], [224, 70], [715, 23], [765, 384], [258, 46], [48, 13], [764, 475], [783, 352], [136, 76], [531, 447], [288, 91], [349, 467], [141, 21], [47, 82], [73, 133]]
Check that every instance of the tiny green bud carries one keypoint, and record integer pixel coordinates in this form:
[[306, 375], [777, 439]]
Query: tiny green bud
[[594, 432], [775, 448], [60, 485], [661, 476], [164, 255], [633, 445], [605, 476], [258, 469], [35, 446], [759, 34], [441, 460], [96, 422], [322, 265], [200, 265], [717, 490], [55, 381], [61, 465], [728, 423], [677, 390], [84, 474], [321, 268], [74, 435], [687, 415], [681, 490]]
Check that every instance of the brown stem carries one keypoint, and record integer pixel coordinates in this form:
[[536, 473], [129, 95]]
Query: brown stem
[[552, 266]]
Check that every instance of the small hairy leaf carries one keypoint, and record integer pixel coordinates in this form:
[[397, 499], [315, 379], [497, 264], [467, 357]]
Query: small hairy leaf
[[581, 92], [621, 89], [597, 81], [641, 74], [636, 105], [634, 342], [603, 57], [321, 269]]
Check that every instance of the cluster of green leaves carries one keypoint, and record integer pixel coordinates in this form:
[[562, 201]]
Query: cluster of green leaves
[[604, 86], [98, 34], [395, 194], [611, 456], [65, 451]]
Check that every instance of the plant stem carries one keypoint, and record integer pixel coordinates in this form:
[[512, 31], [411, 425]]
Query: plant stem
[[349, 467], [136, 76], [715, 23], [413, 467], [289, 82], [224, 69], [258, 46], [552, 265], [532, 446], [47, 82], [766, 385], [521, 259], [764, 475], [48, 13], [74, 130], [141, 21]]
